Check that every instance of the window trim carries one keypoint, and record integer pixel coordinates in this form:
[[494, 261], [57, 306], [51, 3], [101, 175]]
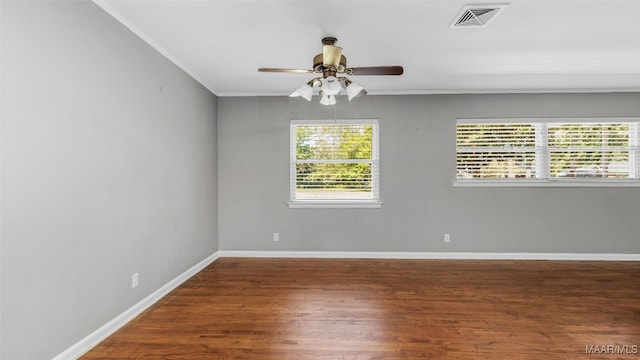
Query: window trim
[[549, 182], [373, 203]]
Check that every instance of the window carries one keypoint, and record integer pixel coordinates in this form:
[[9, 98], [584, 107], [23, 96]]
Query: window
[[334, 163], [601, 151]]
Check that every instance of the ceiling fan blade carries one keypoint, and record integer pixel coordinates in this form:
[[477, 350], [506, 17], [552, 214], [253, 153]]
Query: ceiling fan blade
[[376, 70], [293, 71], [331, 55]]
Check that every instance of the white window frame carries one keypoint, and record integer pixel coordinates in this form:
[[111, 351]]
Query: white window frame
[[374, 202], [542, 155]]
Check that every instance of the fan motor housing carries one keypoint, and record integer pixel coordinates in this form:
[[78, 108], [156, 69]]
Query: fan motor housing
[[318, 64]]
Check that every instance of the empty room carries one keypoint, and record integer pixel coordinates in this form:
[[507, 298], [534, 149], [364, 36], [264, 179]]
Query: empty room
[[218, 179]]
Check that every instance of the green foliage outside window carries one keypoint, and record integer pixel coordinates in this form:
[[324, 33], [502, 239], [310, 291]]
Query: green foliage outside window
[[334, 158]]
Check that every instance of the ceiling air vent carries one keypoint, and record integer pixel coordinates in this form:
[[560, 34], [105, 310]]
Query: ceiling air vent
[[476, 15]]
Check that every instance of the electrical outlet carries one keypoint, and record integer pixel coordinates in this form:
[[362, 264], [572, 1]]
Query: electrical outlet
[[276, 237], [134, 281], [447, 238]]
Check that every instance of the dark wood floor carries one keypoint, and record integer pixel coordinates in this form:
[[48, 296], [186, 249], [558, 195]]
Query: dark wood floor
[[391, 309]]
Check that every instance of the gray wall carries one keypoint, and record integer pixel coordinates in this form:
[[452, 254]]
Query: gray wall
[[108, 168], [417, 165]]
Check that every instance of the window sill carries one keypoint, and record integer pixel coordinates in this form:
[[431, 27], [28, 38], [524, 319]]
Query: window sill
[[334, 204], [546, 183]]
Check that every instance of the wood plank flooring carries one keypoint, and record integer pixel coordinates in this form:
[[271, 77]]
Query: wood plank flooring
[[391, 309]]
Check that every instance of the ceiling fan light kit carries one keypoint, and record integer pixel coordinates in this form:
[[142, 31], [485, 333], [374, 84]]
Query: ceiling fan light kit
[[331, 63]]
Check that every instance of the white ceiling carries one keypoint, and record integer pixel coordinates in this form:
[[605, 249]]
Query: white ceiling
[[532, 46]]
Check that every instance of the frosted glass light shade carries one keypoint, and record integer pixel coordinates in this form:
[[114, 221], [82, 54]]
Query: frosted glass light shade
[[331, 85], [305, 91], [355, 91], [328, 100]]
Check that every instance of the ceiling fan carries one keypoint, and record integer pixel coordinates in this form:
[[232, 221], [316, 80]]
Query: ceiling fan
[[330, 64]]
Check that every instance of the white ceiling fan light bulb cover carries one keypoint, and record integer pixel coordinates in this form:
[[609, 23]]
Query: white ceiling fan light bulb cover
[[294, 94], [354, 91], [331, 85], [328, 100], [305, 91]]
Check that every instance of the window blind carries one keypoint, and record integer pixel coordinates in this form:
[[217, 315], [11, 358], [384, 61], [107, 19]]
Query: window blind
[[334, 161], [490, 151], [590, 150], [547, 150]]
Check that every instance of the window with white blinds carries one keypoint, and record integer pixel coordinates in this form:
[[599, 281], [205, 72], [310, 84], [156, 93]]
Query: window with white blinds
[[334, 161], [603, 149]]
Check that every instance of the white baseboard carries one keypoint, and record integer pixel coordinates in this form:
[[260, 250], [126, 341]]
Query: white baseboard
[[431, 255], [93, 339]]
